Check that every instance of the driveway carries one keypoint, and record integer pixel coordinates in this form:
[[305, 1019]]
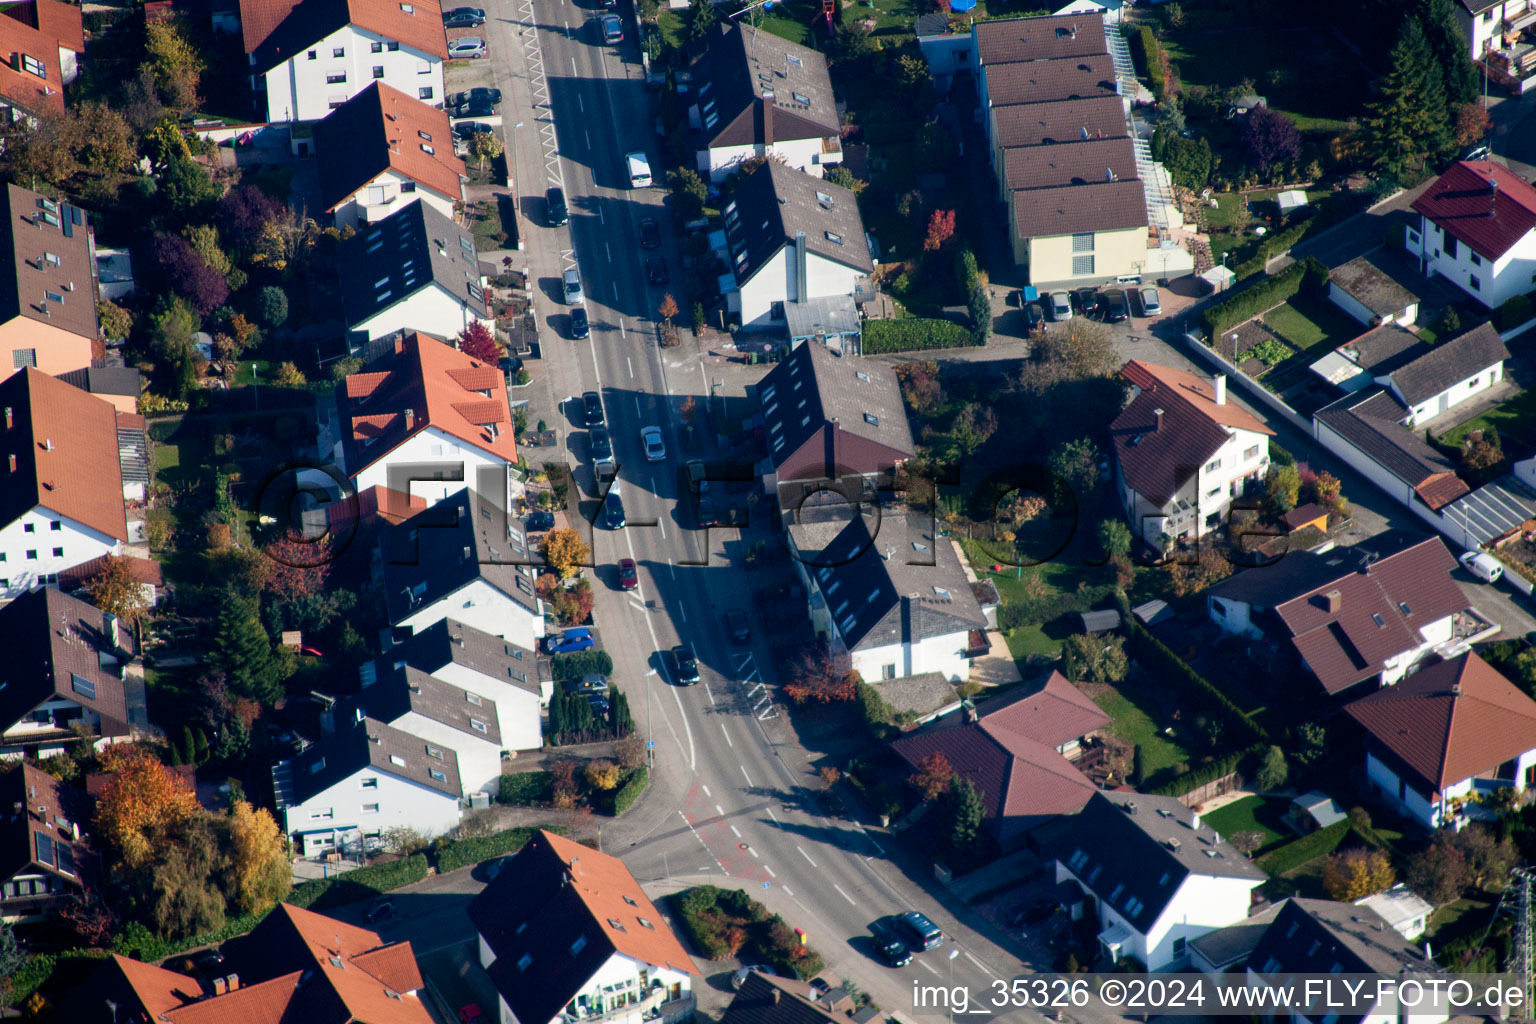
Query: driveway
[[455, 979]]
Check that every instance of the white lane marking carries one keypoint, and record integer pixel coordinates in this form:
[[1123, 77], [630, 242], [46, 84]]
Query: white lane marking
[[650, 627], [600, 218], [925, 966], [719, 810], [788, 892], [770, 871], [978, 963], [580, 105], [843, 894], [727, 736], [615, 291], [637, 413], [705, 789], [745, 775], [700, 838], [621, 330], [775, 817], [753, 851], [589, 137], [573, 59], [672, 571], [684, 614], [878, 848], [805, 855], [662, 526], [631, 367], [710, 693], [735, 832], [607, 249]]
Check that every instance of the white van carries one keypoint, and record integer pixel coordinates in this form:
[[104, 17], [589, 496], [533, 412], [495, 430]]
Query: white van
[[639, 170], [1484, 567]]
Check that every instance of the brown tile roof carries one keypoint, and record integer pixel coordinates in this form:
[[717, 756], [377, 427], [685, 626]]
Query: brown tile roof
[[52, 639], [1451, 721], [1068, 209], [1028, 39], [40, 837], [1465, 202], [397, 692], [1062, 121], [1377, 613], [1441, 489], [1083, 163], [38, 29], [1193, 390], [415, 248], [765, 1000], [382, 129], [367, 742], [1041, 81], [1449, 363], [276, 30], [1372, 421], [441, 387], [553, 894], [47, 266], [1055, 714], [731, 78], [64, 442]]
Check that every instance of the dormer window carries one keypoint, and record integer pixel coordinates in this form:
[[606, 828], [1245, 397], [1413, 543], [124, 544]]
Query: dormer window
[[428, 150], [423, 135], [834, 237]]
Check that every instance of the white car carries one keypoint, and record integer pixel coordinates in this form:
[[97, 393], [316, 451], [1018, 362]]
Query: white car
[[469, 47], [1061, 306], [655, 450], [1151, 305]]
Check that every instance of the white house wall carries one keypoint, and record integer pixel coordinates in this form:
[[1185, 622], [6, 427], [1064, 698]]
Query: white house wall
[[942, 654], [1360, 462], [803, 155], [479, 759], [1454, 395], [383, 196], [436, 446], [77, 542], [430, 308], [1492, 284], [517, 709], [348, 806], [297, 89], [1233, 617], [775, 282], [487, 609]]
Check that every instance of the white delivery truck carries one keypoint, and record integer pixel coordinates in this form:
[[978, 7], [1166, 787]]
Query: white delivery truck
[[639, 170]]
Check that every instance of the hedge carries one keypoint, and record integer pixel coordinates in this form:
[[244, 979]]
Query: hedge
[[705, 909], [912, 334], [1264, 294], [452, 854], [320, 893], [1149, 58], [1516, 310], [625, 796], [1193, 780], [1293, 855], [1271, 247], [525, 789], [580, 663]]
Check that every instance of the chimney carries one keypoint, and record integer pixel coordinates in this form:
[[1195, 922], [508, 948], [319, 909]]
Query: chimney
[[1333, 601], [1129, 807], [410, 418], [969, 711], [775, 995], [800, 286], [220, 986], [1220, 384], [10, 418], [1493, 194], [574, 861], [767, 119], [48, 444], [234, 982], [1456, 688], [1109, 174], [1157, 421]]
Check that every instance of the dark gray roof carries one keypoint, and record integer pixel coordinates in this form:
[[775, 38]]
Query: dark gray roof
[[396, 257], [448, 642], [1495, 509], [1081, 163], [132, 449], [368, 742], [860, 395], [1372, 286], [1449, 363], [774, 203], [757, 88], [1301, 572], [107, 380], [1148, 845], [765, 1000], [933, 24], [1228, 948], [885, 579], [1371, 420], [1044, 38], [400, 689], [1384, 349], [60, 647], [439, 550]]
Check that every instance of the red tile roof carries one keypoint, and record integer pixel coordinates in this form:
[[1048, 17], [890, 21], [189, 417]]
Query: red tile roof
[[1193, 389], [65, 445], [38, 29], [1055, 714], [156, 989], [1465, 202], [282, 28], [266, 1002], [382, 129], [1451, 721]]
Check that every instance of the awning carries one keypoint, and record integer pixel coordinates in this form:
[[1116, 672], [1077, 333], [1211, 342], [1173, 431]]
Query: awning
[[1114, 939]]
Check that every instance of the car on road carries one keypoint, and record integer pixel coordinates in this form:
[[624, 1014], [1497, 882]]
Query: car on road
[[570, 287], [919, 932], [463, 17], [537, 522], [739, 977], [1085, 301], [467, 48], [381, 909], [467, 130], [592, 408], [736, 625], [1061, 306], [611, 28], [569, 641], [890, 947], [685, 664], [555, 210], [1151, 305], [470, 1013], [581, 327], [473, 108], [656, 270], [592, 682], [1112, 306], [599, 444], [650, 234], [629, 576], [613, 510], [708, 514], [655, 449], [479, 92]]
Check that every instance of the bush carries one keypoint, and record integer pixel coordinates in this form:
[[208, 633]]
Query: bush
[[1515, 311], [1270, 247], [1250, 302], [450, 854], [364, 883], [710, 915], [580, 663], [1193, 780], [912, 334], [525, 789], [1308, 848], [1148, 56], [877, 713], [629, 790]]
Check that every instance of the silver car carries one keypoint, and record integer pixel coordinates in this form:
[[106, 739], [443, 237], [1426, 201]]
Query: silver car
[[1151, 305], [1061, 306], [469, 47], [570, 284]]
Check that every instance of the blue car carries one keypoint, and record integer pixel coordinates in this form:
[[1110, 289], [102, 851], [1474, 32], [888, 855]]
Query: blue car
[[578, 639]]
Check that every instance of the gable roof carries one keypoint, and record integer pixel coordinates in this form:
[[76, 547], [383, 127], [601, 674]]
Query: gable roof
[[555, 913], [862, 398], [1158, 454], [1069, 209], [47, 268], [1083, 163], [38, 29], [136, 987], [1195, 391], [43, 836], [276, 30], [1449, 363], [127, 381], [425, 384], [1029, 39], [1369, 284], [382, 129], [58, 645], [771, 1000], [449, 642], [64, 442], [750, 86], [1041, 81], [1148, 845], [397, 692], [411, 249], [1060, 121], [1483, 204], [1383, 349], [1372, 420], [364, 742], [774, 203], [1450, 721]]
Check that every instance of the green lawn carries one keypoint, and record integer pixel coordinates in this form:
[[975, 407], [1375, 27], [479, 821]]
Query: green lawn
[[1253, 814], [1515, 421], [1027, 640], [1447, 918], [1134, 724], [1313, 326], [670, 24], [167, 456]]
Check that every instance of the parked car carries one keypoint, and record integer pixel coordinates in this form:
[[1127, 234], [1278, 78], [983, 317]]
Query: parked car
[[739, 977], [1112, 306], [1085, 301], [736, 625], [629, 576], [480, 92], [650, 234], [381, 909], [578, 638], [686, 665], [467, 130], [570, 285], [592, 682], [1061, 306], [599, 444], [458, 16], [467, 48], [599, 704], [613, 510], [581, 327], [1484, 567], [537, 522], [611, 28], [203, 963], [1151, 305], [555, 209], [656, 270], [655, 449], [470, 1013], [1034, 317], [473, 108], [592, 408]]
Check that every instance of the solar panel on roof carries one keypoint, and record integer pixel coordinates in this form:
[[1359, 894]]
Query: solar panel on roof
[[45, 850]]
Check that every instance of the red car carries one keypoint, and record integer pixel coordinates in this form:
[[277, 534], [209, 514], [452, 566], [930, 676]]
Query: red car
[[471, 1013], [629, 578]]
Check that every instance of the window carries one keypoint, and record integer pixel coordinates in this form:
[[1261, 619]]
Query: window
[[375, 47], [630, 900], [58, 552], [378, 71], [423, 68], [888, 671], [1474, 283], [645, 924], [370, 808], [369, 784], [31, 554], [1082, 242], [325, 815], [1450, 247], [428, 149], [424, 136], [34, 66], [1213, 465], [340, 51], [408, 8], [437, 776], [83, 686], [397, 760], [1477, 260], [1251, 453], [579, 945], [834, 237], [23, 357], [434, 752], [29, 528], [424, 94], [473, 698], [1082, 265], [55, 526], [1077, 860], [1134, 906], [407, 186], [527, 959], [391, 46], [477, 725], [313, 55], [1114, 893], [335, 77]]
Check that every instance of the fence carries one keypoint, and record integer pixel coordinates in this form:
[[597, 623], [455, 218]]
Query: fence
[[1228, 783], [1252, 388]]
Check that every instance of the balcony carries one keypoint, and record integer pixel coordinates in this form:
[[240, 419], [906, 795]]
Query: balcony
[[653, 1007]]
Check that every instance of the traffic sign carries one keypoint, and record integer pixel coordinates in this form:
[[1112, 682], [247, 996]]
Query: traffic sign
[[765, 885], [649, 744]]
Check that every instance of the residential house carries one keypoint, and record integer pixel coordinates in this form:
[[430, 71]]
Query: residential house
[[295, 965], [767, 999], [478, 662], [1183, 453], [1402, 908], [1034, 41], [427, 420], [414, 270], [1351, 616], [830, 417], [1156, 874], [1019, 752], [119, 385], [884, 589], [68, 664], [1448, 374], [567, 933], [310, 56], [1369, 292], [342, 794], [1447, 736], [383, 150], [43, 41], [1365, 429], [1477, 228], [145, 571], [61, 499], [1225, 951], [1494, 29], [457, 560], [794, 241], [1314, 938], [43, 853], [760, 95], [47, 277], [1361, 362]]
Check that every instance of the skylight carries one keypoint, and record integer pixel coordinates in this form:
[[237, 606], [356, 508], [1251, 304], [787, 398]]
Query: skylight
[[834, 237]]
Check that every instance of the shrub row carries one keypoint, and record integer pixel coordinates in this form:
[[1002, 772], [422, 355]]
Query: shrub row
[[1265, 293], [580, 663], [1271, 247], [912, 334], [1293, 855], [525, 789], [1148, 56], [707, 913], [630, 789], [1190, 781], [452, 854], [320, 893]]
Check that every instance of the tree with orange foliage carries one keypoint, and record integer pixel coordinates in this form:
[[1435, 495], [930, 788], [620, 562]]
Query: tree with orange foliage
[[817, 674], [142, 797], [933, 776], [259, 871]]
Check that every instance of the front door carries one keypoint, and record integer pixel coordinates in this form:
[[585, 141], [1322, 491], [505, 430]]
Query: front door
[[1445, 402]]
